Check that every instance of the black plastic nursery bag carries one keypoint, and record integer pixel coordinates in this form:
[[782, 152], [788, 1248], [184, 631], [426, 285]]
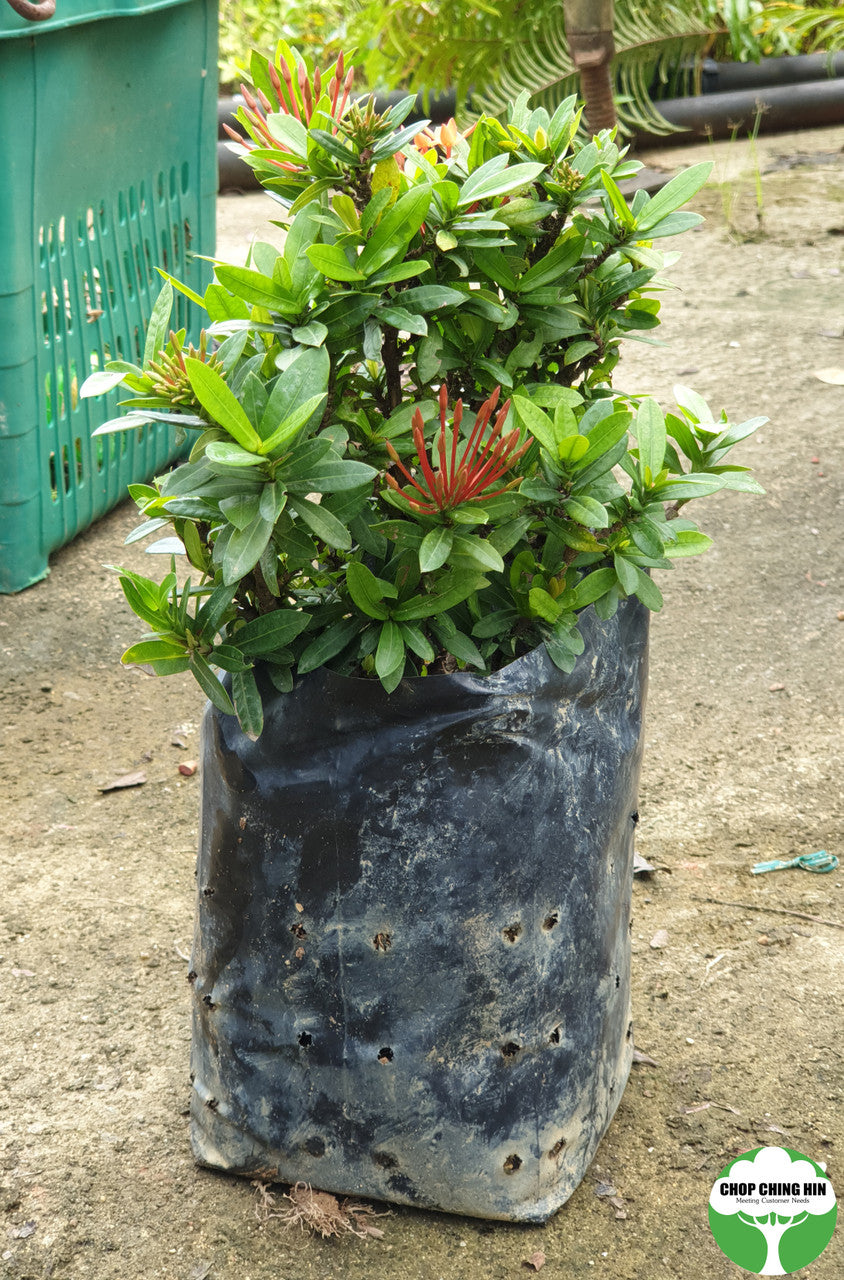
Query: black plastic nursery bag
[[412, 953]]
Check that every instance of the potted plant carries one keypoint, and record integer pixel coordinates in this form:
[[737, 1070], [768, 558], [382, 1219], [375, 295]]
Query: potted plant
[[419, 527]]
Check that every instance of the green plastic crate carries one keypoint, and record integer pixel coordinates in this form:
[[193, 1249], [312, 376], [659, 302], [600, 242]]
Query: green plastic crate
[[110, 140]]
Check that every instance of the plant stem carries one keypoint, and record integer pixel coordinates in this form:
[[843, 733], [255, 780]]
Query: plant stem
[[392, 366]]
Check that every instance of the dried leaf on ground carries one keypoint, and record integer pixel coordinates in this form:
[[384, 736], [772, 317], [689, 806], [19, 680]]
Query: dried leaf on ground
[[23, 1233], [201, 1271], [316, 1211], [638, 1056], [535, 1262], [620, 1207], [125, 780], [605, 1189]]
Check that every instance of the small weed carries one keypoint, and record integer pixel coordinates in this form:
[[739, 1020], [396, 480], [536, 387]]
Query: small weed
[[733, 191]]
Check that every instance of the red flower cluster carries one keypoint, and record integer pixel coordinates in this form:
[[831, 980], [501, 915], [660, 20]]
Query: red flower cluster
[[470, 478], [294, 98]]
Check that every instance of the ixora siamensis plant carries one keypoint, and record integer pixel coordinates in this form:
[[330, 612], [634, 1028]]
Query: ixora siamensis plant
[[420, 527]]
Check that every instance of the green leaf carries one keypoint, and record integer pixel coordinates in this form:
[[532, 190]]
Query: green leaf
[[618, 202], [674, 194], [212, 612], [537, 422], [692, 485], [101, 381], [231, 455], [218, 401], [374, 209], [591, 586], [498, 623], [603, 437], [253, 287], [690, 542], [537, 490], [333, 475], [587, 511], [431, 297], [555, 264], [306, 376], [244, 549], [143, 605], [741, 482], [543, 604], [451, 590], [649, 429], [493, 179], [366, 591], [647, 536], [461, 646], [322, 523], [289, 131], [229, 658], [247, 703], [331, 260], [171, 666], [326, 646], [435, 549], [153, 651], [417, 642], [395, 230], [241, 509], [310, 335], [647, 591], [182, 288], [272, 501], [159, 324], [209, 683], [627, 573], [674, 224], [401, 318], [281, 676], [398, 271], [292, 425], [562, 657], [390, 652], [271, 632], [143, 530], [479, 550]]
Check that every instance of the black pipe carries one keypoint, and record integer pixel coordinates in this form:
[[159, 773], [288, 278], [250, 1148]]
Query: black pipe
[[779, 107], [731, 77]]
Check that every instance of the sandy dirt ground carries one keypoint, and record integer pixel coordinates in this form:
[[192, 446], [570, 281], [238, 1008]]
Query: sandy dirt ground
[[740, 1005]]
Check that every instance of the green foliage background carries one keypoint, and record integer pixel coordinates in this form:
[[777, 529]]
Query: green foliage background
[[497, 49]]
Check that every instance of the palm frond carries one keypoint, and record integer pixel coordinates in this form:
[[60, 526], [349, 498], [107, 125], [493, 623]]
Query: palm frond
[[796, 28], [651, 41]]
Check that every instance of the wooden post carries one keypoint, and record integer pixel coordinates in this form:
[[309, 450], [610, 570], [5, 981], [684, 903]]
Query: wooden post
[[589, 31]]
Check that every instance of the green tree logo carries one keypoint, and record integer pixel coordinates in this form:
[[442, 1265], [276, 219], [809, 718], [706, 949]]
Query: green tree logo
[[772, 1211]]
